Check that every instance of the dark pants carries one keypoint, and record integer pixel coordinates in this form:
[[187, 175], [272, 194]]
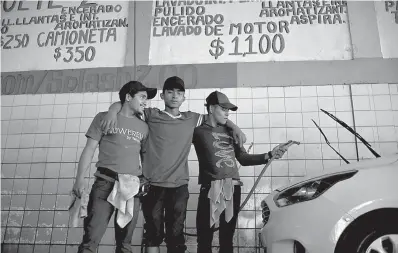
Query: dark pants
[[99, 213], [205, 232], [165, 208]]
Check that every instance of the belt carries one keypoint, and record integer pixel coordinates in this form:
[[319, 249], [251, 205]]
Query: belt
[[235, 182], [107, 172]]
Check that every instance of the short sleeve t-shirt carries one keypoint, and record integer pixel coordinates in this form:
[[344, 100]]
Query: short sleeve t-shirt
[[168, 145], [119, 149]]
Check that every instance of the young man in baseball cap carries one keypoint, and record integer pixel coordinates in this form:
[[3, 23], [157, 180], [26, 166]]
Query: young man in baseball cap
[[220, 191], [118, 168], [166, 166]]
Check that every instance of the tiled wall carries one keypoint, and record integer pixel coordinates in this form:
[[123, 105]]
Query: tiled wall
[[42, 137]]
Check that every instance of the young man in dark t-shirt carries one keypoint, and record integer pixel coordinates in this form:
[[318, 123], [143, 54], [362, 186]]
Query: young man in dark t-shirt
[[166, 166], [220, 192], [118, 165]]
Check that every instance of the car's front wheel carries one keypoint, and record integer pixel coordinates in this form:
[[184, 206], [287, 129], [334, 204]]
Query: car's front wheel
[[373, 236]]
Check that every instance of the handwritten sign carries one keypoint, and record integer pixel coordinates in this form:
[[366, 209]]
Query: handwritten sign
[[42, 35], [387, 19], [248, 31], [112, 79]]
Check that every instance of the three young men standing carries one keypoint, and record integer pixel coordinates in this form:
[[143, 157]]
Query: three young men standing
[[165, 165]]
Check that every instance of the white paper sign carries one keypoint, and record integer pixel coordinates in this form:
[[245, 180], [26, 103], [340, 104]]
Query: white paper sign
[[193, 31], [387, 19], [46, 35]]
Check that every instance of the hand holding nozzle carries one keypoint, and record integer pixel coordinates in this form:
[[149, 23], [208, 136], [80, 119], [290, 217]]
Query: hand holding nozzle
[[280, 150]]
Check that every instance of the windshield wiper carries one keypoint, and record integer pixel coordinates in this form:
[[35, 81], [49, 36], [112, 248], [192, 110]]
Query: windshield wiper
[[343, 124], [327, 142]]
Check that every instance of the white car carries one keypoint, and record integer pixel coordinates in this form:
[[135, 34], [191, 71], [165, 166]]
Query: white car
[[349, 209]]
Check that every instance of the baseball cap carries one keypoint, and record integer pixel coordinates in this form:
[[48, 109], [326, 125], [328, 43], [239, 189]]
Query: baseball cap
[[174, 82], [136, 86], [218, 98]]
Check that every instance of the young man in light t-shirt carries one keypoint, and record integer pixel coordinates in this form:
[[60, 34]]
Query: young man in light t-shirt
[[118, 164], [166, 166]]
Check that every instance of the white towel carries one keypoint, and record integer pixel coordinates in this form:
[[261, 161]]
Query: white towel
[[122, 197], [221, 198]]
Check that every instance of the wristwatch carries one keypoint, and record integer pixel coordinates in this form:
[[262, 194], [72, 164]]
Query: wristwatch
[[269, 154]]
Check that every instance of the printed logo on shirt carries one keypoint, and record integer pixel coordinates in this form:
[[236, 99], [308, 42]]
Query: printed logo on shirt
[[225, 150], [128, 133]]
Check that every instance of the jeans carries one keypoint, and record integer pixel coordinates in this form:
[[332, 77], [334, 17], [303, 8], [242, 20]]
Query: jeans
[[165, 208], [227, 229], [99, 213]]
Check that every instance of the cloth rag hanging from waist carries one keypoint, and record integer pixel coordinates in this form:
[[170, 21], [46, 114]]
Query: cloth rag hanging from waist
[[122, 197], [221, 198], [78, 208]]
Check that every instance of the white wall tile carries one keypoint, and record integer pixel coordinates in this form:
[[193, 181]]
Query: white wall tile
[[380, 89], [7, 100], [61, 99], [89, 110], [244, 105], [102, 107], [32, 112], [394, 101], [60, 111], [10, 156], [276, 92], [311, 135], [56, 140], [20, 100], [244, 92], [104, 97], [42, 140], [260, 105], [308, 117], [361, 89], [58, 125], [197, 106], [6, 112], [245, 120], [54, 155], [277, 119], [43, 126], [71, 140], [47, 99], [261, 135], [324, 90], [312, 151], [365, 118], [346, 117], [15, 127], [197, 94], [345, 135], [293, 104], [308, 91], [39, 155], [77, 98], [18, 112], [27, 141], [278, 135], [34, 99], [261, 120], [13, 141], [294, 120], [90, 98], [341, 90], [330, 133], [309, 104], [25, 155], [361, 103], [4, 126], [386, 134], [295, 134], [74, 110], [326, 103], [388, 148], [385, 118], [342, 104], [72, 125], [394, 88], [293, 91], [85, 124], [69, 154], [46, 111], [260, 92], [382, 102], [276, 104]]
